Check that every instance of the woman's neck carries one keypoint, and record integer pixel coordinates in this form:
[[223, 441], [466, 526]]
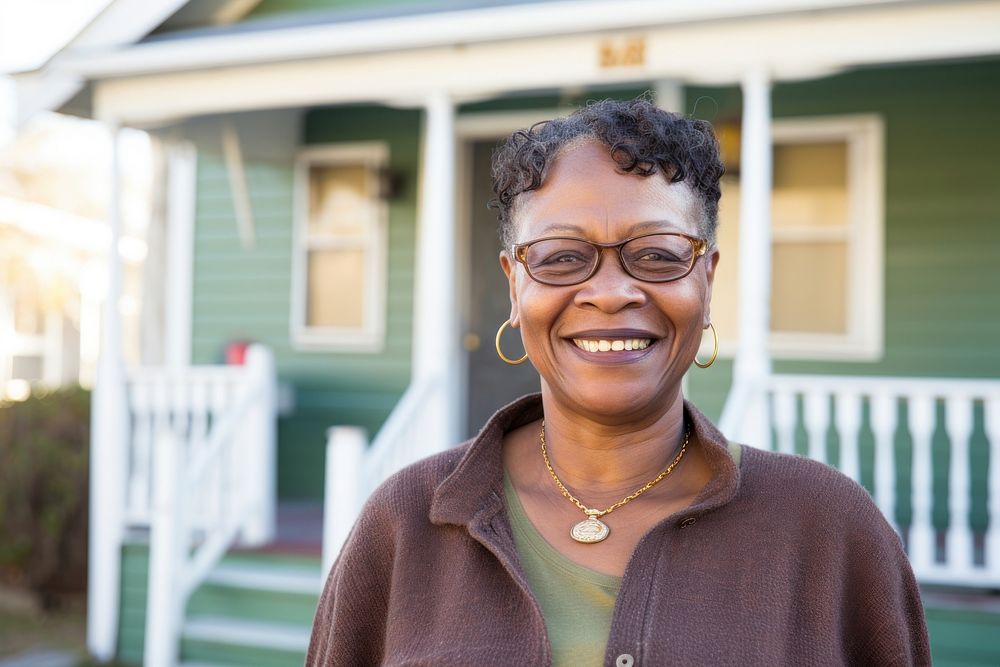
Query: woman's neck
[[608, 460]]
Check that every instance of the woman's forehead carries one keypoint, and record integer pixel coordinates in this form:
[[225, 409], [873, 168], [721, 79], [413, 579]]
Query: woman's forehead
[[586, 194]]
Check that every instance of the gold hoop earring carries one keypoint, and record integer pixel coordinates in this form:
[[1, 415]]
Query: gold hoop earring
[[505, 358], [715, 351]]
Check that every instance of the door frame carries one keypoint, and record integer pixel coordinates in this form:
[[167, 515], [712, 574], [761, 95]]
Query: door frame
[[472, 127]]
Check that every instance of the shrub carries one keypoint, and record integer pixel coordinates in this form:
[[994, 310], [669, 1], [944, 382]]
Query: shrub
[[44, 450]]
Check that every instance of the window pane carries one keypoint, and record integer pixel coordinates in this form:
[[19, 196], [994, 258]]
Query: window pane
[[808, 289], [810, 185], [336, 288], [340, 201]]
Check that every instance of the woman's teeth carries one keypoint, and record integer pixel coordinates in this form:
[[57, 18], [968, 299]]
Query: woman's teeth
[[612, 345]]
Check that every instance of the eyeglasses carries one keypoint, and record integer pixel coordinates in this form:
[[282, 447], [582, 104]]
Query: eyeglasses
[[654, 258]]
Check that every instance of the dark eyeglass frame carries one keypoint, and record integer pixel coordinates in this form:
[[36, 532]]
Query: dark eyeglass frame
[[519, 252]]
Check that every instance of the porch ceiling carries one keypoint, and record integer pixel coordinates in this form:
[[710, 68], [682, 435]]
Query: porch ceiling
[[787, 46]]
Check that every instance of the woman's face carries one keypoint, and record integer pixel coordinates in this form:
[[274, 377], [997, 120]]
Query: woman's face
[[584, 195]]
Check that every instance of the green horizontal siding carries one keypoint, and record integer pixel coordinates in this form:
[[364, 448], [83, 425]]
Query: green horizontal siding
[[246, 293]]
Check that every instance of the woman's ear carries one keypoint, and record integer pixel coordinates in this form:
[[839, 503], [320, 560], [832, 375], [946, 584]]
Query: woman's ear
[[711, 261], [509, 267]]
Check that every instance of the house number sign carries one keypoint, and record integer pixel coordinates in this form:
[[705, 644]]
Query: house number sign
[[622, 52]]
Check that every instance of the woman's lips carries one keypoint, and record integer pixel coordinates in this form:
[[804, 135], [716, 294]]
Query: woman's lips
[[611, 344]]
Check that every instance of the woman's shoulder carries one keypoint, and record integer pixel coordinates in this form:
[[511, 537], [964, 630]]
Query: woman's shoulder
[[815, 489], [413, 486]]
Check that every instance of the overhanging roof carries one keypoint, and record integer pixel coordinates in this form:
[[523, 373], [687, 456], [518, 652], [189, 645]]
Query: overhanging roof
[[487, 50]]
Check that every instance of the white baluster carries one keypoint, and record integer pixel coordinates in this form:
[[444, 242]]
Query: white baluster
[[214, 491], [817, 420], [199, 412], [159, 417], [883, 422], [847, 408], [784, 420], [180, 411], [958, 421], [140, 462], [991, 417], [921, 418]]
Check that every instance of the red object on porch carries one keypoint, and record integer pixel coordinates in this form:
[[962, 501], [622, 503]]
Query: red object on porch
[[236, 352]]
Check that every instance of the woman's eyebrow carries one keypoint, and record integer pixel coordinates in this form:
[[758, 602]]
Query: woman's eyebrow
[[637, 228]]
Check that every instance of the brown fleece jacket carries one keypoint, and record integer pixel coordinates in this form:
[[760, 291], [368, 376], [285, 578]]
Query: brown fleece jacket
[[778, 561]]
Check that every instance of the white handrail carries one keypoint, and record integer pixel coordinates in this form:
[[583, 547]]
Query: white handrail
[[353, 471], [400, 441], [929, 412]]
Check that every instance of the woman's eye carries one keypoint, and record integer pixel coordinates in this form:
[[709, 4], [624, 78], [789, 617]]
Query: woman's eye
[[563, 258], [656, 256]]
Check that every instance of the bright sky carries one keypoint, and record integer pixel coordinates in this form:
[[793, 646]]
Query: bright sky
[[32, 30]]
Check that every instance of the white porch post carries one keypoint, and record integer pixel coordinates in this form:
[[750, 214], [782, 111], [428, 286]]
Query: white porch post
[[109, 429], [745, 417], [259, 431], [181, 160], [435, 351]]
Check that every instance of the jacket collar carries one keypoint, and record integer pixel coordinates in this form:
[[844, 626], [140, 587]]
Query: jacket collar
[[475, 487]]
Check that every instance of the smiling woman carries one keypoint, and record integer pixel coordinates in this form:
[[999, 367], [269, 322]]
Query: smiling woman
[[606, 521]]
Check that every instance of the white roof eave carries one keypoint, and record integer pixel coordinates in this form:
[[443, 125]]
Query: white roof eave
[[559, 17]]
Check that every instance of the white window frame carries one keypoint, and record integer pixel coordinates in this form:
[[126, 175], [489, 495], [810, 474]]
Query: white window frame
[[370, 337], [864, 234]]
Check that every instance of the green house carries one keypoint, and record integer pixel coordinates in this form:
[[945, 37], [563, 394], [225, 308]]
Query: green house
[[325, 172]]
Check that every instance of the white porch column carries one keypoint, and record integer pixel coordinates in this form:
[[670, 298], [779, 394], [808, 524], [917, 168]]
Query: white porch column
[[108, 432], [745, 417], [181, 159], [435, 349], [669, 95]]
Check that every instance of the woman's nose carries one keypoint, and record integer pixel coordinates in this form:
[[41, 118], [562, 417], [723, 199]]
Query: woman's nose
[[611, 288]]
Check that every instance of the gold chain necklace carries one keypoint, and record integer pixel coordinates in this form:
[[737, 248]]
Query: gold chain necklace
[[592, 529]]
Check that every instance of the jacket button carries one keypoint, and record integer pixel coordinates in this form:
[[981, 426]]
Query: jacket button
[[689, 521], [625, 660]]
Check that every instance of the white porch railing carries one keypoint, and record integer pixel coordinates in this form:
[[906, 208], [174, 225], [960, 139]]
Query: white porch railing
[[353, 470], [961, 416], [200, 473]]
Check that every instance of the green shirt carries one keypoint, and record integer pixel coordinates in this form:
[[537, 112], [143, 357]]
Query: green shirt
[[576, 602]]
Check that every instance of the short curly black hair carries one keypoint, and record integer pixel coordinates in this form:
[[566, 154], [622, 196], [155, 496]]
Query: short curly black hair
[[642, 138]]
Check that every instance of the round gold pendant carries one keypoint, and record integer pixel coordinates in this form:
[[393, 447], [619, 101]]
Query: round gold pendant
[[590, 530]]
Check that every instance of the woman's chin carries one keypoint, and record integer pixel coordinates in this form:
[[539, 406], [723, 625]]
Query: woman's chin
[[614, 403]]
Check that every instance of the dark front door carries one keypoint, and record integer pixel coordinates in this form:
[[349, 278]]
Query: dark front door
[[491, 382]]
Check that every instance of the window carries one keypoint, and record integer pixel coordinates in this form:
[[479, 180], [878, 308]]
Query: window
[[827, 252], [339, 281]]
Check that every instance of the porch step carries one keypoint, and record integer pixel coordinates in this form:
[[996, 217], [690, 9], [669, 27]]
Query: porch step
[[227, 641], [253, 576], [265, 591], [252, 611], [277, 636]]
